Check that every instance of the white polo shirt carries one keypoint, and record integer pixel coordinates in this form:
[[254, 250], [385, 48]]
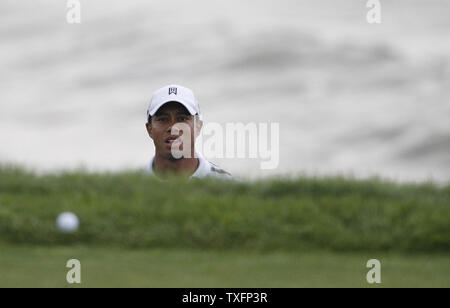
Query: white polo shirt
[[204, 169]]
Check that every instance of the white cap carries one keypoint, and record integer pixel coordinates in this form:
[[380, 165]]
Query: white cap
[[173, 93]]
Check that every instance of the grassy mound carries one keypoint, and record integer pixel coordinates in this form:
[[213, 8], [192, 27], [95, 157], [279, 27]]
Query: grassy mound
[[130, 209]]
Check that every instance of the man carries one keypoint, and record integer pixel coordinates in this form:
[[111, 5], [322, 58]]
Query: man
[[173, 122]]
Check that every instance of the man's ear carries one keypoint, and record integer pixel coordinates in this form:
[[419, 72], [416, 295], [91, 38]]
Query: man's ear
[[149, 129], [198, 127]]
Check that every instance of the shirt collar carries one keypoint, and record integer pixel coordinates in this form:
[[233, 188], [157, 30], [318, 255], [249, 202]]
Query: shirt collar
[[201, 171]]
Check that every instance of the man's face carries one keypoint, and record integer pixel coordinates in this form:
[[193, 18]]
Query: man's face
[[160, 129]]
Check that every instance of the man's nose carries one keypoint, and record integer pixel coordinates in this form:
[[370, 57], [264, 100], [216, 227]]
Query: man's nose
[[172, 126], [172, 122]]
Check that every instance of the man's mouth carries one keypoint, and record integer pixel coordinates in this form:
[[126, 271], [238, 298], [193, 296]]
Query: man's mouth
[[172, 140]]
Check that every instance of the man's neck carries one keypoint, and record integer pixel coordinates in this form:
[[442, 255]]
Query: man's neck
[[163, 166]]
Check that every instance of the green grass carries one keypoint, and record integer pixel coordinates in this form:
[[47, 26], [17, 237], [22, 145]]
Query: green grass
[[131, 210], [33, 266], [291, 232]]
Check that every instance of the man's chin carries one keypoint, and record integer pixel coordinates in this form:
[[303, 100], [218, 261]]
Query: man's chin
[[173, 156]]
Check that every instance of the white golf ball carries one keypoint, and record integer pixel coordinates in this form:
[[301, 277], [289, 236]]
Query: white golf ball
[[67, 222]]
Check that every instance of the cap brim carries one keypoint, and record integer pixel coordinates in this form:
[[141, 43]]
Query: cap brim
[[156, 108]]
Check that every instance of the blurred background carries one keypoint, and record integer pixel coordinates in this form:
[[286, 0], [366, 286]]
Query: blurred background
[[351, 97]]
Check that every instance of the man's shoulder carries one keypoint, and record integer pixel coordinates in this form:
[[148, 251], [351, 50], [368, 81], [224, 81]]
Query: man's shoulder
[[215, 171], [148, 169], [205, 169], [219, 171]]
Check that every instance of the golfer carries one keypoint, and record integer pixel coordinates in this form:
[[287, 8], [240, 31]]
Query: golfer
[[173, 123]]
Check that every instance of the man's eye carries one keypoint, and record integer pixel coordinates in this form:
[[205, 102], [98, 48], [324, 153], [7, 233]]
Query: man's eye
[[162, 119], [182, 119]]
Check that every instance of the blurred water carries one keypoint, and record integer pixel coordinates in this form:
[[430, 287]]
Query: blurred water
[[350, 97]]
